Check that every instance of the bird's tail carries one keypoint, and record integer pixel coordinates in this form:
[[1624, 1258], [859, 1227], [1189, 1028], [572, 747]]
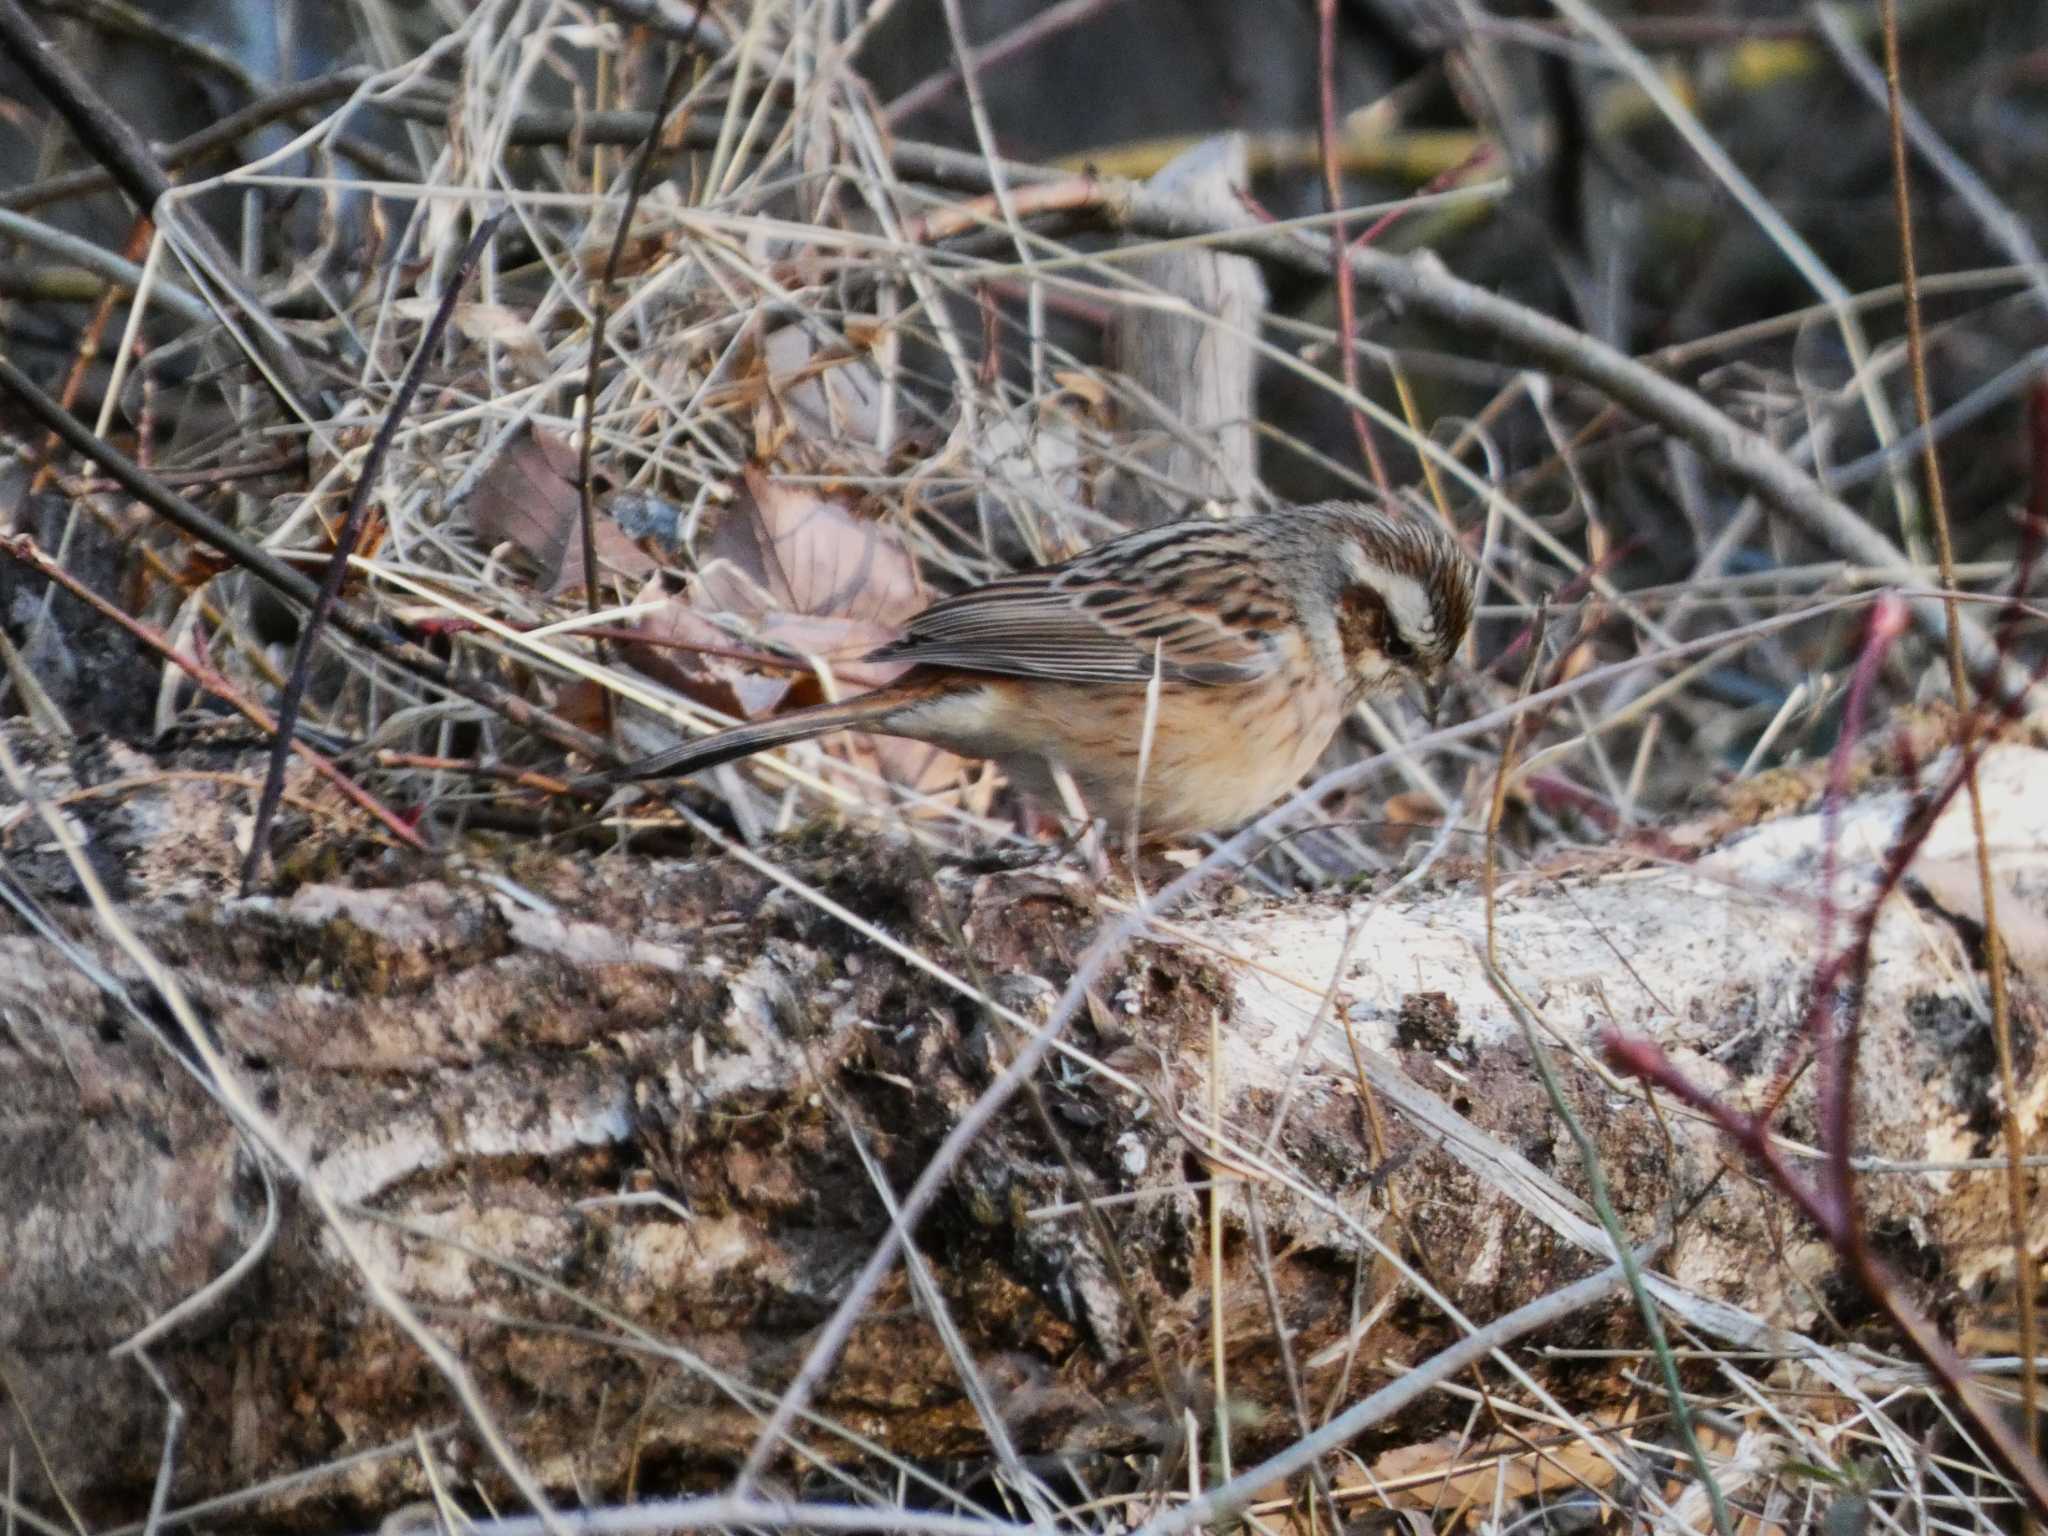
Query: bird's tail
[[865, 712]]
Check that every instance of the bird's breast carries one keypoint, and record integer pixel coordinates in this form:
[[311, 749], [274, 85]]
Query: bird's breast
[[1217, 755]]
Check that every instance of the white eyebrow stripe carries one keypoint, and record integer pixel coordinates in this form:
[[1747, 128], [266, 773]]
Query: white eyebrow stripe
[[1408, 602]]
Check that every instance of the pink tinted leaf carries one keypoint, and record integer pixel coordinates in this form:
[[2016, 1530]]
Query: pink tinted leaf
[[683, 647], [827, 560], [528, 498]]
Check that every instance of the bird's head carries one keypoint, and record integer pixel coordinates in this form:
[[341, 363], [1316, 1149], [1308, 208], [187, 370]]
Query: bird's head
[[1403, 595]]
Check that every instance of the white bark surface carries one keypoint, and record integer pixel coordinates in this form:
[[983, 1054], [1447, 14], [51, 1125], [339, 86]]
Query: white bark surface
[[479, 1063], [1194, 361]]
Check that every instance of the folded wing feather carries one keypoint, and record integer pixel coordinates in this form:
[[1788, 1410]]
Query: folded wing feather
[[1110, 616]]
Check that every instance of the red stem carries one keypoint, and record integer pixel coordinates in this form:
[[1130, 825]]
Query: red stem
[[1333, 193], [1833, 1015]]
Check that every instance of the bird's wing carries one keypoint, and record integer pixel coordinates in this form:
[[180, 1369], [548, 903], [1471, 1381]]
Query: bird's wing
[[1183, 597]]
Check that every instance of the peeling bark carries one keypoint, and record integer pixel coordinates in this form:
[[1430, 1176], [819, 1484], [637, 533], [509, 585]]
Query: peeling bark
[[479, 1059], [1195, 364]]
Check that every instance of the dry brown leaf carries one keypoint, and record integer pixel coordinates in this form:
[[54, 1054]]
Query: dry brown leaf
[[690, 652], [1411, 808], [731, 568], [913, 766], [1087, 387], [528, 497], [581, 703], [840, 644], [823, 559], [721, 643], [1447, 1472], [486, 322], [791, 585], [832, 399]]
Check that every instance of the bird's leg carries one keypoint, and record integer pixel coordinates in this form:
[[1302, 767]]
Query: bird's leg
[[1041, 826]]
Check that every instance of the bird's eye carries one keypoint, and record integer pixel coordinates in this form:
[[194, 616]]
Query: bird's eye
[[1397, 648]]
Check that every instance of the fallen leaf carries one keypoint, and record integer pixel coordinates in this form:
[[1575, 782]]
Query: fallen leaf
[[823, 559], [922, 768], [1451, 1471], [841, 644], [1411, 808], [829, 399], [528, 497], [1087, 387], [580, 703], [497, 323], [683, 646], [717, 642], [793, 587]]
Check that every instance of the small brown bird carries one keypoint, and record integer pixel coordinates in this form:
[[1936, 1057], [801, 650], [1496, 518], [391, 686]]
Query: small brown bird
[[1262, 634]]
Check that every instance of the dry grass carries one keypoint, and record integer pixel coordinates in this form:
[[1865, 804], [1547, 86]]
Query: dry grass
[[894, 360]]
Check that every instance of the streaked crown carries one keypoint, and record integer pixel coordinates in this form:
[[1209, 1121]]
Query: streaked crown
[[1406, 591]]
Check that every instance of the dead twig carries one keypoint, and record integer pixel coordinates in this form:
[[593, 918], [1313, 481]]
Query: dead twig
[[1333, 200], [21, 548], [196, 147], [121, 150], [345, 540], [280, 577]]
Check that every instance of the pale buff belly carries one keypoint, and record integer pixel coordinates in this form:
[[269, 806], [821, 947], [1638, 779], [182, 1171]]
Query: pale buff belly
[[1219, 756]]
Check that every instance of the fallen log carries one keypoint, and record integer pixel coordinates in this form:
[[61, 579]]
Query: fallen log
[[610, 1127]]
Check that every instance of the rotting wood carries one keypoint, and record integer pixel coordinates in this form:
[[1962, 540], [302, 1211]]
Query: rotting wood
[[1195, 363], [486, 1074]]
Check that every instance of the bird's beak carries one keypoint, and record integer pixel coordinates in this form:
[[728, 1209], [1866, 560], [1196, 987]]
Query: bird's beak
[[1433, 697]]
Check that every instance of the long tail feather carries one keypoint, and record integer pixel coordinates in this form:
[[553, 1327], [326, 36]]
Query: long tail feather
[[745, 740]]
